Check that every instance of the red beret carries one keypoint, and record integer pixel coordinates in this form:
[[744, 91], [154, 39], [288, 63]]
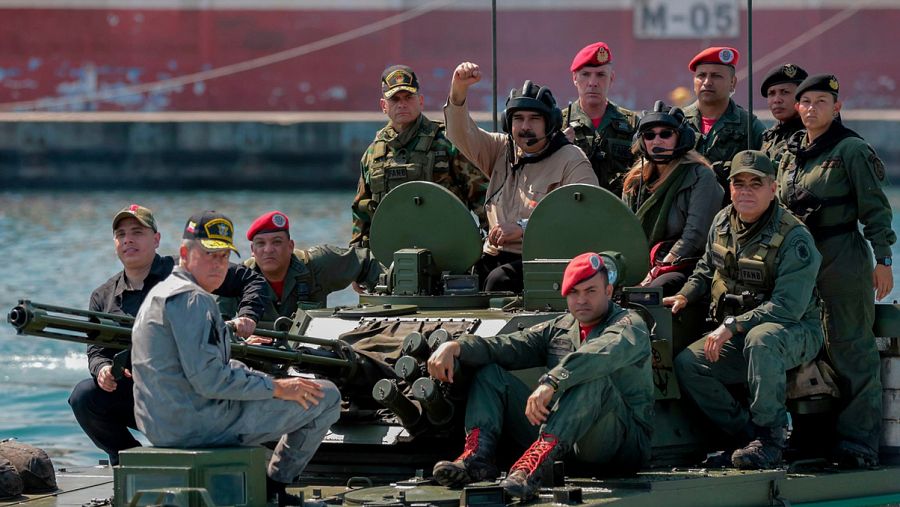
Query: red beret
[[580, 269], [272, 221], [720, 55], [593, 55]]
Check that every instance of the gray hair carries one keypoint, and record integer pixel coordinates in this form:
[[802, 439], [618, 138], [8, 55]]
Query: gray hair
[[189, 244]]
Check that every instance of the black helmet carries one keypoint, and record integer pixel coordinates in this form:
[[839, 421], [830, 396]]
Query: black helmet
[[665, 116], [532, 98]]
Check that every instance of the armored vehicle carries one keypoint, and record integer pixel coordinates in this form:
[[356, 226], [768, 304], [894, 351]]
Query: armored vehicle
[[397, 422]]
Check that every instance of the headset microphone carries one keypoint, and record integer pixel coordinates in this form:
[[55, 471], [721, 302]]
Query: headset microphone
[[535, 140], [660, 149]]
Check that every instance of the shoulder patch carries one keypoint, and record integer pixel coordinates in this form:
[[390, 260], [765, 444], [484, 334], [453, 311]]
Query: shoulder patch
[[877, 165], [801, 248]]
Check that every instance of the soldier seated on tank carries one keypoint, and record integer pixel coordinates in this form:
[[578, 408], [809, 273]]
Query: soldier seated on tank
[[181, 352], [103, 404], [760, 268], [525, 163], [595, 404], [410, 148], [300, 279]]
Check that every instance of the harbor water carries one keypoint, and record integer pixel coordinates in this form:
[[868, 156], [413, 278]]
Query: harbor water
[[56, 247]]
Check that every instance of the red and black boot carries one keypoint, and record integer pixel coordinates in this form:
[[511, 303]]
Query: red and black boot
[[475, 464], [525, 476]]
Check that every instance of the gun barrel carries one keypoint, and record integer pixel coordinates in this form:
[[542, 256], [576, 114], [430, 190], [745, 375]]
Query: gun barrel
[[388, 394], [438, 409]]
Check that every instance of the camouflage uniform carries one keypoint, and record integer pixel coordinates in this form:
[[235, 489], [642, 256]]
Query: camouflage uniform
[[311, 276], [726, 138], [775, 139], [422, 152], [778, 263], [604, 402], [608, 147], [845, 184]]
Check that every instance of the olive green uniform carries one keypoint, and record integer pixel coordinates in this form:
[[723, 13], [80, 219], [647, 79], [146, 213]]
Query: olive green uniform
[[779, 330], [311, 276], [726, 138], [604, 402], [846, 181], [608, 146], [775, 139], [421, 153]]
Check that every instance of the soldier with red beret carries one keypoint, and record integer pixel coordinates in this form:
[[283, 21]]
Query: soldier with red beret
[[599, 127], [595, 404], [720, 123], [301, 278]]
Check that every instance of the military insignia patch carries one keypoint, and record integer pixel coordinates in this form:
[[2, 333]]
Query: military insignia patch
[[833, 83], [790, 70], [877, 166], [278, 220], [399, 77], [747, 158], [602, 56], [802, 249], [219, 229], [726, 56]]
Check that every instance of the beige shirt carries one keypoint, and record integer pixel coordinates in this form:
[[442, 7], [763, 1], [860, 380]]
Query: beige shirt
[[513, 195]]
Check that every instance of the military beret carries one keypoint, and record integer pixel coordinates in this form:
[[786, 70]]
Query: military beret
[[819, 83], [787, 73], [273, 221], [137, 212], [580, 269], [753, 162], [398, 78], [592, 55], [719, 55]]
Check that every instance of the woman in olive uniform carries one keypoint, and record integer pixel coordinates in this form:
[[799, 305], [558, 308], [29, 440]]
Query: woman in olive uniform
[[674, 193], [832, 180]]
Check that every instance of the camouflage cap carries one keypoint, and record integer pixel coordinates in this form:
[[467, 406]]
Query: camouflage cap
[[139, 213], [753, 162], [398, 78], [213, 229]]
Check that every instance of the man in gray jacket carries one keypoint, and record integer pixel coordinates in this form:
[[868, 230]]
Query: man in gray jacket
[[181, 365]]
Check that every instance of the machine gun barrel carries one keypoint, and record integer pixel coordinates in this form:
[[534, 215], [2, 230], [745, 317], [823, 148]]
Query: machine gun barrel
[[388, 394], [438, 409]]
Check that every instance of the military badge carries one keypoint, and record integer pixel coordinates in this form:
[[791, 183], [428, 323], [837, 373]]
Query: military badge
[[790, 70], [399, 77], [219, 228], [802, 249], [278, 220], [747, 158], [877, 166], [726, 56], [602, 55], [833, 83]]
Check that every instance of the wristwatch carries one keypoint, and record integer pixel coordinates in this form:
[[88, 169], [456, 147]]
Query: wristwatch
[[884, 261], [549, 380], [731, 324]]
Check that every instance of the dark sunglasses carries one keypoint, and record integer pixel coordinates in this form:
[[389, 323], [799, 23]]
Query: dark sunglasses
[[651, 135]]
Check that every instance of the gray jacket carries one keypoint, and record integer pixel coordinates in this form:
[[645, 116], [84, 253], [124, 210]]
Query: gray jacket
[[184, 381]]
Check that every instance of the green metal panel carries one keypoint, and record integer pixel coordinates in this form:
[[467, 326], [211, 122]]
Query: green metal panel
[[579, 218], [543, 278], [422, 214]]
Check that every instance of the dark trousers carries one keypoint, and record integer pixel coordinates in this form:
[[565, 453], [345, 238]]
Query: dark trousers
[[501, 272], [105, 417]]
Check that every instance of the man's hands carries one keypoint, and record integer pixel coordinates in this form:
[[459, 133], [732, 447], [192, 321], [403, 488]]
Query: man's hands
[[883, 279], [243, 326], [302, 390], [107, 381], [502, 234], [465, 75], [714, 342], [440, 364], [677, 302], [537, 406]]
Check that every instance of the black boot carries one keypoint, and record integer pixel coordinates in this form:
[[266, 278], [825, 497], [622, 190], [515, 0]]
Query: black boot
[[763, 452], [851, 455], [475, 464], [526, 475]]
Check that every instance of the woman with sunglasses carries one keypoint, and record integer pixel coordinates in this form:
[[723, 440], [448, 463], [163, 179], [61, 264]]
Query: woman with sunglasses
[[674, 193]]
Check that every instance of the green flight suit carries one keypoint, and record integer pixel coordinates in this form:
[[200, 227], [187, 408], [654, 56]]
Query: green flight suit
[[779, 333], [608, 147], [603, 408], [775, 139], [725, 139], [846, 180], [312, 275], [421, 153]]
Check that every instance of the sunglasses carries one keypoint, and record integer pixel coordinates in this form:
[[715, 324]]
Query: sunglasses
[[664, 134]]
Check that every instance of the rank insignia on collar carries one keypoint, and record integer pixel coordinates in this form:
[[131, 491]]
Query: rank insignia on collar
[[602, 56], [790, 70]]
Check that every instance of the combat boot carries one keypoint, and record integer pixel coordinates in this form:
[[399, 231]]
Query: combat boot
[[763, 452], [475, 464], [525, 476], [851, 455]]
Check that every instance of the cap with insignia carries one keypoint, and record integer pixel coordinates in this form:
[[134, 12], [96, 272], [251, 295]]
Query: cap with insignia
[[212, 229], [143, 215], [719, 55], [398, 78], [273, 221], [787, 73], [819, 83], [753, 162], [592, 55], [580, 269]]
